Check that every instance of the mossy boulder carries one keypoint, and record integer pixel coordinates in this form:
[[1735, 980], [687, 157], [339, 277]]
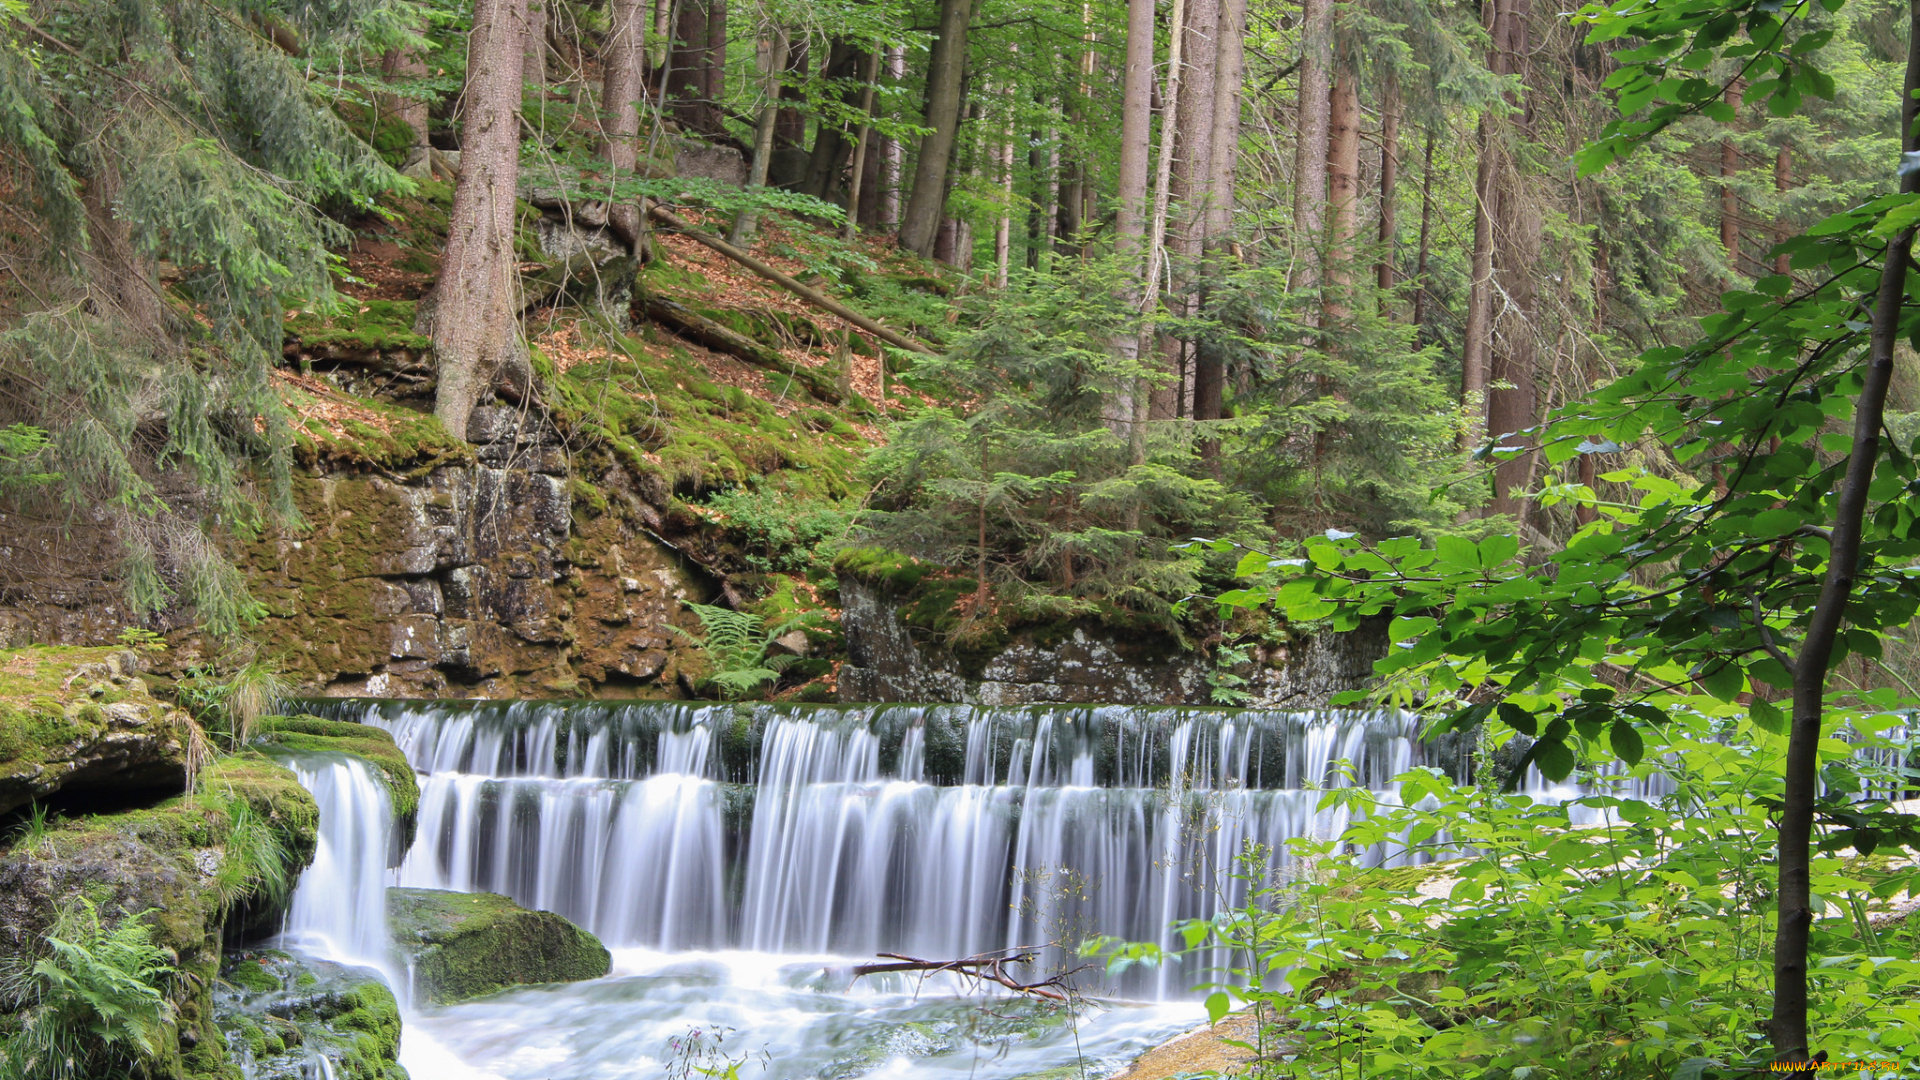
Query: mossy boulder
[[313, 734], [188, 866], [468, 945], [80, 724], [277, 1012]]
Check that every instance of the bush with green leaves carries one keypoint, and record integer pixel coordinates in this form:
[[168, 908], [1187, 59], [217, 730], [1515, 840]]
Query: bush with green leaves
[[780, 533], [1556, 948], [736, 645], [94, 1007]]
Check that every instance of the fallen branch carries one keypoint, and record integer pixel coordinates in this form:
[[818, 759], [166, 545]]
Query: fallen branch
[[699, 329], [812, 296], [986, 967]]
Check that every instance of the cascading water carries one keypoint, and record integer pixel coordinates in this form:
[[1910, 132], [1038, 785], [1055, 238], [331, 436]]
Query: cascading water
[[735, 857], [339, 910]]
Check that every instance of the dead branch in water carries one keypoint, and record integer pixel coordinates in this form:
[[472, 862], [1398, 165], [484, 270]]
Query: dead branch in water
[[985, 967]]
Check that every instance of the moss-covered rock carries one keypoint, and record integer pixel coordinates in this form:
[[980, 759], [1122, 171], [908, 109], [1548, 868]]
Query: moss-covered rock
[[186, 866], [467, 945], [81, 723], [312, 734], [277, 1012]]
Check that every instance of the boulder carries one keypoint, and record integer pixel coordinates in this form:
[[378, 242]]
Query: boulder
[[81, 723], [467, 945], [279, 1012], [314, 735]]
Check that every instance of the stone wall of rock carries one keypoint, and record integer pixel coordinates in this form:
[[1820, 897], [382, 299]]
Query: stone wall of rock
[[471, 579], [888, 660]]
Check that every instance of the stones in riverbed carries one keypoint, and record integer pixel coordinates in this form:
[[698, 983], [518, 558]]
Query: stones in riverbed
[[279, 1013], [467, 945]]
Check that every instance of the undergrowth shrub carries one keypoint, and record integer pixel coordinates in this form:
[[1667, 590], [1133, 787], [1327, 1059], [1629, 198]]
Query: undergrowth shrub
[[94, 1007], [736, 645]]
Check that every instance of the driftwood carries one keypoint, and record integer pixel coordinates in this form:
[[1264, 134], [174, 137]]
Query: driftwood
[[811, 296], [697, 328], [986, 967]]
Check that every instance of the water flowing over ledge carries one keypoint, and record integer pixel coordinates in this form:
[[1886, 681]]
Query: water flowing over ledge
[[942, 830]]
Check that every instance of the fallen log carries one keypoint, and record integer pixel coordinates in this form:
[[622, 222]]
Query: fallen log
[[811, 296], [701, 330]]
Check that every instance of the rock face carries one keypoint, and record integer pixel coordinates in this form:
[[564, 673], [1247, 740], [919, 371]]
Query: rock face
[[79, 723], [888, 660], [278, 1013], [467, 945], [469, 580]]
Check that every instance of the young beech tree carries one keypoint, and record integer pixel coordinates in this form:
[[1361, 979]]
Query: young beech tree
[[1796, 550]]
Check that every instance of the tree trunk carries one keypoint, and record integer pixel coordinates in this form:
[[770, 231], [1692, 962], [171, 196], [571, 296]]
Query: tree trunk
[[623, 59], [696, 74], [1476, 338], [476, 335], [1310, 143], [747, 218], [1003, 229], [788, 166], [1512, 393], [1383, 271], [1729, 198], [1209, 365], [662, 44], [533, 61], [1191, 189], [1787, 1027], [1129, 402], [946, 67], [1343, 195], [1426, 234], [833, 144], [1782, 182], [896, 153], [858, 173]]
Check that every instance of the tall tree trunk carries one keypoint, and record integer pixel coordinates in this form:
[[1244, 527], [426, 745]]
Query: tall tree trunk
[[946, 68], [1383, 271], [1310, 142], [741, 235], [1003, 229], [696, 74], [1730, 198], [896, 152], [1343, 195], [1136, 145], [1209, 365], [1044, 183], [833, 144], [1476, 338], [788, 166], [1157, 262], [1426, 234], [858, 173], [623, 59], [533, 62], [1782, 181], [662, 45], [1512, 395], [1787, 1027], [472, 321], [1192, 190]]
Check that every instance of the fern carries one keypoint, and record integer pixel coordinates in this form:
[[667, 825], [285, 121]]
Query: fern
[[736, 644], [94, 1005]]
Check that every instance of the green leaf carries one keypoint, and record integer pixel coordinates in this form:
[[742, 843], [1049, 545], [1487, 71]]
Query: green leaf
[[1518, 719], [1555, 759], [1626, 742], [1218, 1005], [1768, 717]]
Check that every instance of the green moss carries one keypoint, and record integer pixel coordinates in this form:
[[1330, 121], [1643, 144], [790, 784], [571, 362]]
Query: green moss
[[251, 975], [467, 945], [374, 326], [401, 439]]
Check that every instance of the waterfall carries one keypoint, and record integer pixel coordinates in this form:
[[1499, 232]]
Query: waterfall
[[938, 831], [339, 909]]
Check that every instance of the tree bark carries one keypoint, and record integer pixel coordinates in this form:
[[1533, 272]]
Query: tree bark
[[1383, 271], [693, 107], [1129, 403], [472, 319], [1512, 395], [1729, 198], [833, 144], [1003, 229], [787, 168], [1426, 234], [624, 60], [1476, 338], [895, 157], [1782, 182], [743, 222], [1192, 191], [1310, 143], [1209, 364], [1158, 267], [1343, 195], [1787, 1027], [858, 174], [946, 67], [533, 61]]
